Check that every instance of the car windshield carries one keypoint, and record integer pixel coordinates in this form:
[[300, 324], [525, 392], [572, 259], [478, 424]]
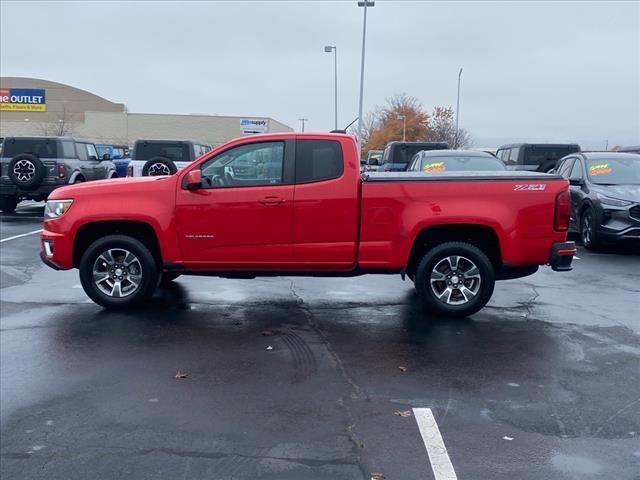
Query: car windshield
[[614, 171], [457, 163], [177, 152]]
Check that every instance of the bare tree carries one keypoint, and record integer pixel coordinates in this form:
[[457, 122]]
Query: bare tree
[[442, 128], [60, 124]]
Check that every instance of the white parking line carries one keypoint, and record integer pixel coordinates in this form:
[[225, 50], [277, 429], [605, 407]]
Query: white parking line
[[438, 456], [20, 236]]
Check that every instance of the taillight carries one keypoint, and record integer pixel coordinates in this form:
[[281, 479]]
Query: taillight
[[61, 173], [563, 211], [130, 171]]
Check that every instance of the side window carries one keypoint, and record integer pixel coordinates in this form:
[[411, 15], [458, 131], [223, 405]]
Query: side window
[[91, 151], [67, 150], [197, 151], [505, 155], [565, 168], [318, 160], [252, 165], [81, 150], [513, 156], [576, 171]]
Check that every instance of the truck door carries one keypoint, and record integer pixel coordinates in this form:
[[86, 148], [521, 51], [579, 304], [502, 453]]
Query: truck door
[[240, 221], [326, 203]]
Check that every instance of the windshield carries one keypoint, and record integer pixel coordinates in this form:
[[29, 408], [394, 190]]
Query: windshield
[[458, 163], [177, 152], [614, 171]]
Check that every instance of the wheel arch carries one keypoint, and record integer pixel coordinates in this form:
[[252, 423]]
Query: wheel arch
[[90, 232], [482, 236], [75, 175]]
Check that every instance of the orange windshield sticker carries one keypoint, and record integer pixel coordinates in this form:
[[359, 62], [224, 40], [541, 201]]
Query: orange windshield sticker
[[434, 167], [599, 169]]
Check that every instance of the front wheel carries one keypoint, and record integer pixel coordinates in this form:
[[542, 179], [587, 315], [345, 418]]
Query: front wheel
[[455, 279], [588, 233], [118, 271]]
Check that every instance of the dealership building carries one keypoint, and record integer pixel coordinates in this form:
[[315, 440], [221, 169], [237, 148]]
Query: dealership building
[[29, 106]]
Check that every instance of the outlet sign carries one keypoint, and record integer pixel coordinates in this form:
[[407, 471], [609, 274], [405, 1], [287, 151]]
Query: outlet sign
[[23, 99], [249, 126]]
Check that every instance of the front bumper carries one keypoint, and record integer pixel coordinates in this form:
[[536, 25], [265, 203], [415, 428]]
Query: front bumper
[[56, 250], [619, 223], [562, 255]]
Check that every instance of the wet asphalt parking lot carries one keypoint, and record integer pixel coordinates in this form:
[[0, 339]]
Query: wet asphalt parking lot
[[299, 378]]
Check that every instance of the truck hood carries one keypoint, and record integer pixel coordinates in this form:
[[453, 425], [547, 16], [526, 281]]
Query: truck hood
[[116, 186]]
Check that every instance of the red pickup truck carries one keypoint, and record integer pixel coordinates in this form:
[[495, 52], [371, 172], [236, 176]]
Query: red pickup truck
[[296, 204]]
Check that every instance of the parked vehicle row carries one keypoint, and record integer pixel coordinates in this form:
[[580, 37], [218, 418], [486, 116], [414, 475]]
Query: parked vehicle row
[[164, 157], [33, 167]]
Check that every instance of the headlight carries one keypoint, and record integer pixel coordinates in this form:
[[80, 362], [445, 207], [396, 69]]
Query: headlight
[[56, 208], [615, 202]]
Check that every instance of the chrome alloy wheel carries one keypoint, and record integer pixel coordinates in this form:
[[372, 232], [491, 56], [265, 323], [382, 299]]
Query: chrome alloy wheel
[[455, 280], [24, 170], [587, 228], [117, 272], [159, 169]]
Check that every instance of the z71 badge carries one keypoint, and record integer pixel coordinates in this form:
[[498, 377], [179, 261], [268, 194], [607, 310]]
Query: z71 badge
[[530, 186]]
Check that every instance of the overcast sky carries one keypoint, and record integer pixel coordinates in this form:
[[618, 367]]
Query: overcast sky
[[545, 71]]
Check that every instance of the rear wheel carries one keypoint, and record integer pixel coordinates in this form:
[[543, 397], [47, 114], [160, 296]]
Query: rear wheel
[[118, 271], [455, 279], [8, 204]]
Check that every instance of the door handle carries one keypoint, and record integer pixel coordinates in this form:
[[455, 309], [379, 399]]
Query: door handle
[[271, 201]]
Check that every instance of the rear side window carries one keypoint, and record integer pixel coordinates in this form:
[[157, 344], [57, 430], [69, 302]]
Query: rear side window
[[67, 149], [318, 160], [565, 168], [177, 152], [513, 156], [42, 148]]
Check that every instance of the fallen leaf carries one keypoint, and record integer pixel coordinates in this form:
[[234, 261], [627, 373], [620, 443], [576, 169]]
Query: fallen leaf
[[181, 375], [377, 476], [269, 347], [403, 369], [267, 333], [404, 413]]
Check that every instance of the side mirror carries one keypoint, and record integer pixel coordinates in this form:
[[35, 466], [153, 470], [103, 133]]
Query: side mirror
[[106, 156], [194, 179], [576, 182]]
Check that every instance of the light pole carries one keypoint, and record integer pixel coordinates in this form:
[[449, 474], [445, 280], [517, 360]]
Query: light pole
[[302, 120], [404, 127], [364, 4], [458, 108], [328, 49]]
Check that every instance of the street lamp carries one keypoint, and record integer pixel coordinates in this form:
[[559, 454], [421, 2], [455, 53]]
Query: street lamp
[[302, 120], [458, 107], [364, 4], [404, 127], [328, 49]]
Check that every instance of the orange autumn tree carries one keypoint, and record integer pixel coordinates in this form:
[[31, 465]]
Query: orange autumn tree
[[384, 124]]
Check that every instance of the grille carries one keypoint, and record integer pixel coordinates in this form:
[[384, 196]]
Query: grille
[[635, 211]]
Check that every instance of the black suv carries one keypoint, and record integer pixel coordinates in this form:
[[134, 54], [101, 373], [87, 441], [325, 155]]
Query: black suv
[[537, 157], [33, 167]]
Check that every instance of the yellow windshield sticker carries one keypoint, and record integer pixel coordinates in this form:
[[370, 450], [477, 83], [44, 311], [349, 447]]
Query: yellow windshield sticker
[[599, 169], [434, 167]]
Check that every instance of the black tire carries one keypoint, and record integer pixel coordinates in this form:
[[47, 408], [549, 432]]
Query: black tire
[[8, 204], [588, 231], [168, 277], [79, 179], [158, 166], [437, 258], [26, 171], [148, 272]]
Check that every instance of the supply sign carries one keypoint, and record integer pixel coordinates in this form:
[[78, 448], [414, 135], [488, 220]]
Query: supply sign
[[249, 126], [23, 99]]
